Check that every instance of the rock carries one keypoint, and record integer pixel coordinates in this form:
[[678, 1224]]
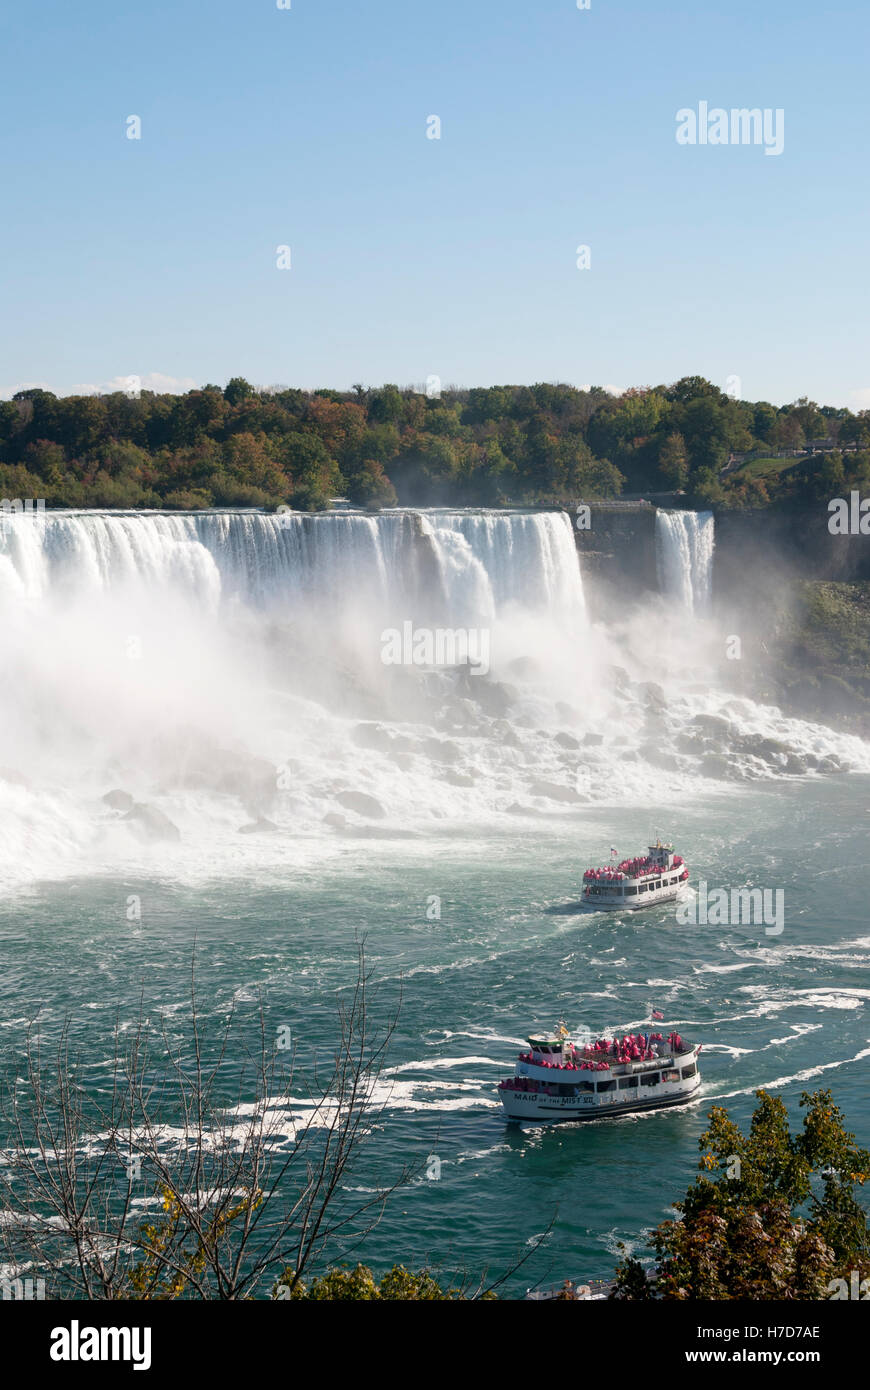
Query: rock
[[714, 765], [655, 695], [657, 755], [524, 667], [593, 740], [690, 743], [442, 750], [457, 779], [336, 820], [362, 803], [152, 822], [262, 825], [555, 791], [491, 696], [372, 736], [566, 741], [771, 749], [713, 724], [831, 765], [119, 800]]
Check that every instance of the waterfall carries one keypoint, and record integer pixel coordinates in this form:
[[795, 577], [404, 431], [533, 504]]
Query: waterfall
[[481, 561], [222, 677], [684, 558]]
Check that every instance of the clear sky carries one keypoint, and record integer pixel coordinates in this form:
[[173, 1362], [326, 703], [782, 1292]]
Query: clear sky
[[411, 257]]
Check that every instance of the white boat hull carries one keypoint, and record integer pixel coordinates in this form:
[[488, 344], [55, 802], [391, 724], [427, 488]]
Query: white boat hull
[[526, 1105], [603, 903]]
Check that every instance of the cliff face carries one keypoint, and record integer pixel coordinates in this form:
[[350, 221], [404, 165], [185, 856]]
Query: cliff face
[[799, 594], [796, 543], [796, 596], [754, 549], [618, 552]]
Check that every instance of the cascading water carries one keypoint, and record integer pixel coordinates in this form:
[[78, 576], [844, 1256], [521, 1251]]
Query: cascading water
[[684, 558], [484, 560], [225, 672]]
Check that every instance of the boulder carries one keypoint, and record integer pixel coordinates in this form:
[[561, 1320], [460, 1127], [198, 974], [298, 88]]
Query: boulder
[[457, 779], [154, 824], [119, 800], [362, 804], [373, 736], [555, 791], [442, 750]]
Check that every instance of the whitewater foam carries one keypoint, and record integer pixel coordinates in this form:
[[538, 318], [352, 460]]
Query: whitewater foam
[[221, 673]]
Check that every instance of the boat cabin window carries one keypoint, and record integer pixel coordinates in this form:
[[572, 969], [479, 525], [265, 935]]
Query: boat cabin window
[[689, 1071], [651, 1079], [627, 1082], [632, 892], [585, 1086], [658, 883], [605, 1086], [642, 888], [670, 1076]]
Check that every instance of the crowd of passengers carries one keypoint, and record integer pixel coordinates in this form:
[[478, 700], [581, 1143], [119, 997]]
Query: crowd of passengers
[[633, 1047], [630, 868]]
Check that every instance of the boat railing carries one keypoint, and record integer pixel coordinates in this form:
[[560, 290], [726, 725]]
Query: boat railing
[[613, 1063]]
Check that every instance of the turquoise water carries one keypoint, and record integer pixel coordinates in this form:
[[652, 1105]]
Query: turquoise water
[[510, 953]]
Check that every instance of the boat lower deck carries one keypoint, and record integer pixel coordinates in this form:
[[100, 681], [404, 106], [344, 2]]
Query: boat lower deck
[[554, 1109]]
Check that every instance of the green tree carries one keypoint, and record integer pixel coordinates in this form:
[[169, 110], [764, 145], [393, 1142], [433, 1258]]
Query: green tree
[[674, 460], [771, 1215], [237, 390]]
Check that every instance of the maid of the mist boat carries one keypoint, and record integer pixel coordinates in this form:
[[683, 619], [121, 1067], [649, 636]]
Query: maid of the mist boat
[[558, 1079], [654, 877]]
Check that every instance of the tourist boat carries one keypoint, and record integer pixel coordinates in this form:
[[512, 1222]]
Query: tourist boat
[[558, 1079], [654, 877]]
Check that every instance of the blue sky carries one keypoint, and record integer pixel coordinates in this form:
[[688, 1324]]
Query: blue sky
[[413, 257]]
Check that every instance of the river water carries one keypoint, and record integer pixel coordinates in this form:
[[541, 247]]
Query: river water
[[256, 696]]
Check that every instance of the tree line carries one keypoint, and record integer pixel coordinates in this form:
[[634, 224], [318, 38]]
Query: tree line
[[547, 444]]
